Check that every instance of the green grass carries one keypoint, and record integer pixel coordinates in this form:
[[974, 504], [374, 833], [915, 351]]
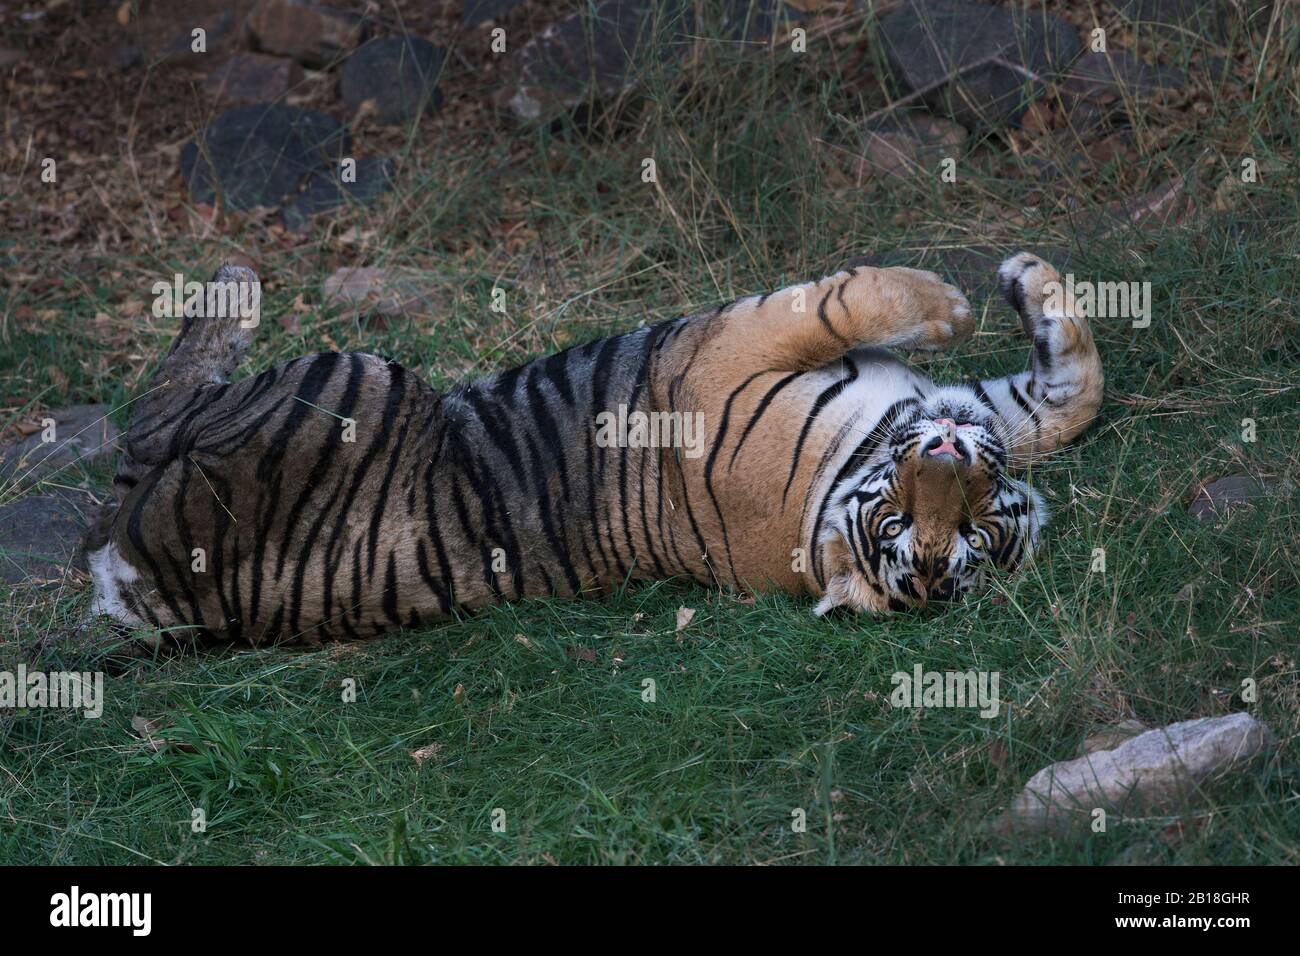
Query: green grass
[[759, 709]]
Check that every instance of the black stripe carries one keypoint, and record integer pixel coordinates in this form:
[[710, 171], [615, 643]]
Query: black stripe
[[396, 393], [326, 459], [758, 413], [825, 319], [558, 544], [718, 441], [825, 398], [1015, 393]]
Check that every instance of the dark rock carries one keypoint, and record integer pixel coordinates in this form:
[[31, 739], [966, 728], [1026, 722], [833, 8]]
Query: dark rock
[[1098, 89], [312, 34], [127, 57], [749, 20], [253, 78], [10, 58], [1220, 497], [82, 433], [1219, 68], [219, 40], [927, 42], [1121, 74], [325, 190], [1204, 19], [399, 75], [41, 534], [258, 155], [594, 55], [480, 11]]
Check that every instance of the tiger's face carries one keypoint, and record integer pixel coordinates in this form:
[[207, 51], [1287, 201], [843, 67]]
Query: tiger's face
[[931, 513]]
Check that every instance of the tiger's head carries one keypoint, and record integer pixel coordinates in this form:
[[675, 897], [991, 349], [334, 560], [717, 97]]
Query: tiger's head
[[929, 513]]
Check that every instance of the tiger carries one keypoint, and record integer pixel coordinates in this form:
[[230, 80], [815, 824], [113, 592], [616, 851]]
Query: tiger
[[826, 467]]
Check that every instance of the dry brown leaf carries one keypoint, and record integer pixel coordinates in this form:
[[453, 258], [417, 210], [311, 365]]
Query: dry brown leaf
[[149, 731], [427, 752], [684, 617]]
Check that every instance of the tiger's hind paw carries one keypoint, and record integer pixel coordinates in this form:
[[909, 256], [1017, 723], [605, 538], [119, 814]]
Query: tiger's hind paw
[[932, 313]]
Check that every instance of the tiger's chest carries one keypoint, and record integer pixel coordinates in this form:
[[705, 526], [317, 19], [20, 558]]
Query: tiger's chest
[[775, 445]]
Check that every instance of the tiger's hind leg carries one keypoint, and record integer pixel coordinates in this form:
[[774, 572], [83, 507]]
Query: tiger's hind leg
[[803, 327], [1057, 399]]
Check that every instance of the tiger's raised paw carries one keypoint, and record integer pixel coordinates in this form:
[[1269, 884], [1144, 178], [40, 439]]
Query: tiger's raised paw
[[931, 314], [1027, 283]]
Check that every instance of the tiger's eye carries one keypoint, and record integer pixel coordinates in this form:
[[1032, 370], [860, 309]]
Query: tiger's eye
[[975, 540], [892, 527]]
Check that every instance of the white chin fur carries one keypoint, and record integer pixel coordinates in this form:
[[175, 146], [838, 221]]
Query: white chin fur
[[111, 573]]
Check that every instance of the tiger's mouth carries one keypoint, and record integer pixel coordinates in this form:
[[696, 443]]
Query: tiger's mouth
[[947, 442]]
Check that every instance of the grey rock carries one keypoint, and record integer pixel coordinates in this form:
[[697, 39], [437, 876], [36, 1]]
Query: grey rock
[[258, 155], [1218, 498], [40, 536], [398, 75], [325, 190], [1110, 736], [1157, 770], [82, 433], [253, 78], [929, 42]]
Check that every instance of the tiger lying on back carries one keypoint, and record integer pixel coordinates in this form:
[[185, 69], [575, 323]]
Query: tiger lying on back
[[817, 444]]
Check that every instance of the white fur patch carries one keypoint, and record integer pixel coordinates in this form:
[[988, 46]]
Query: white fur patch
[[111, 573]]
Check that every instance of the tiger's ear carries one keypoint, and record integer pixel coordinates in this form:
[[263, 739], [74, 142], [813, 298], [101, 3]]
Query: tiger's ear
[[1027, 524], [845, 585]]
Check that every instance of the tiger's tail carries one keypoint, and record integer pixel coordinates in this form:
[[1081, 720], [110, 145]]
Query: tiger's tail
[[212, 343], [214, 337]]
